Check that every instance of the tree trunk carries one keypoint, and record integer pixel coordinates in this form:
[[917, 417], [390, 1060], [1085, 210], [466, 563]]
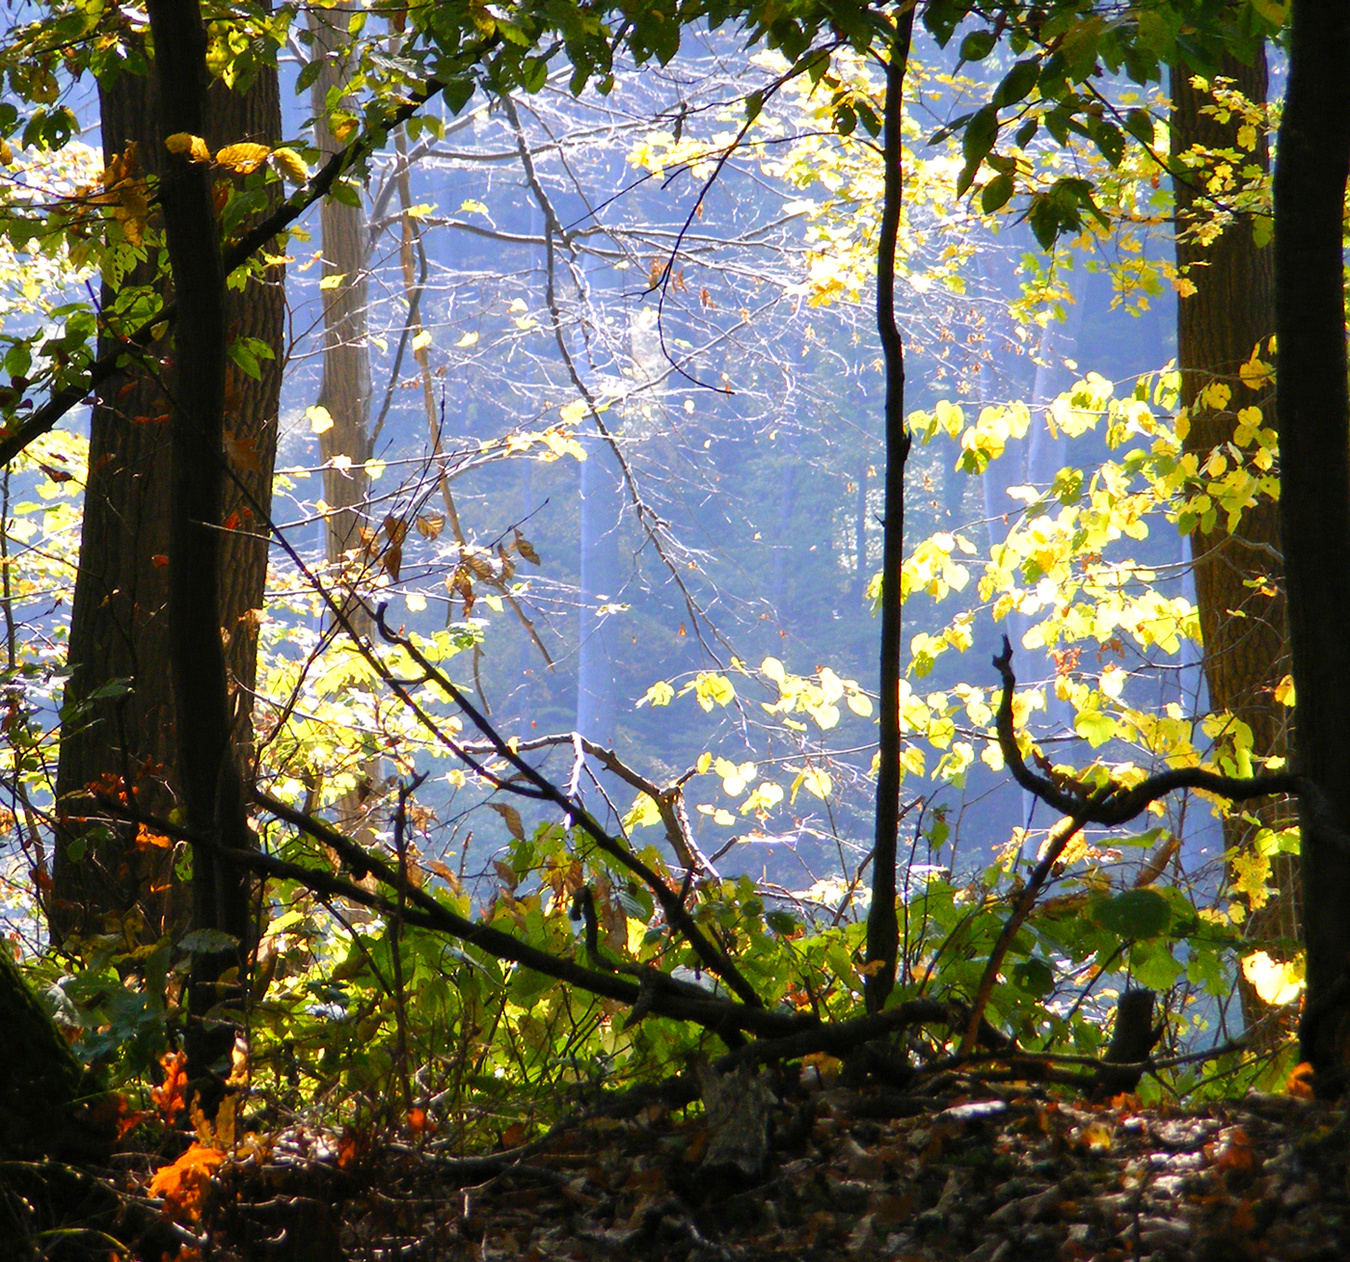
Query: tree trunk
[[209, 782], [345, 388], [118, 620], [1313, 408], [1238, 585]]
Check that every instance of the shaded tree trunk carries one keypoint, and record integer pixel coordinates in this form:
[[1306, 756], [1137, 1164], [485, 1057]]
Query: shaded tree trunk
[[1313, 407], [208, 780], [119, 620], [1238, 586], [48, 1105]]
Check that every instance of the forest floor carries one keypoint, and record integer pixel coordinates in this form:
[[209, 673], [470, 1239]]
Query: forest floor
[[964, 1170]]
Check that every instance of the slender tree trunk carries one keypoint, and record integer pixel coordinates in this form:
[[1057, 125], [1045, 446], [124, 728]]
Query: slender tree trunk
[[1238, 586], [883, 927], [119, 617], [1314, 425], [345, 388]]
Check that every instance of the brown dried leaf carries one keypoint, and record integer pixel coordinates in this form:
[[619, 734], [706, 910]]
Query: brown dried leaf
[[512, 818]]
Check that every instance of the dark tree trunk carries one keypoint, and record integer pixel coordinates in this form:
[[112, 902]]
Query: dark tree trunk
[[1314, 424], [119, 617], [1238, 584], [209, 782], [883, 927]]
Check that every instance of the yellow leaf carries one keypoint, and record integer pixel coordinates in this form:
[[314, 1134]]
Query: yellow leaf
[[1277, 982], [469, 339], [319, 418], [243, 157], [421, 341], [1255, 374], [291, 165], [192, 147]]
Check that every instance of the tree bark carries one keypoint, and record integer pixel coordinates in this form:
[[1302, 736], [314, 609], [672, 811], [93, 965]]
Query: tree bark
[[209, 782], [1238, 581], [48, 1105], [1313, 408], [119, 616]]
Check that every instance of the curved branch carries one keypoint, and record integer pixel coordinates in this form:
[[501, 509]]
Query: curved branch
[[1114, 803]]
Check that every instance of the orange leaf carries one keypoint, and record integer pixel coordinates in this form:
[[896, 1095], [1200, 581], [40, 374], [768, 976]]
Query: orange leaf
[[170, 1096], [1300, 1082], [145, 839], [183, 1184]]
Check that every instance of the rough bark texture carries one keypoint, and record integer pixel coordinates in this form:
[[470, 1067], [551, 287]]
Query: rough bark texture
[[1238, 579], [119, 617], [1314, 423]]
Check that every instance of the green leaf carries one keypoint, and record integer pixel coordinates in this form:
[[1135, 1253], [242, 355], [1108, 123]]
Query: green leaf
[[208, 942], [1134, 914], [1034, 976], [1095, 727], [994, 196], [978, 45], [980, 134], [1018, 82], [1108, 139], [1139, 123], [782, 922]]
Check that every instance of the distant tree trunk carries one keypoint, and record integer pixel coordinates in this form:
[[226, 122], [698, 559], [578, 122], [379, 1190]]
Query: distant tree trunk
[[598, 545], [1313, 407], [345, 387], [1238, 583], [118, 620]]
